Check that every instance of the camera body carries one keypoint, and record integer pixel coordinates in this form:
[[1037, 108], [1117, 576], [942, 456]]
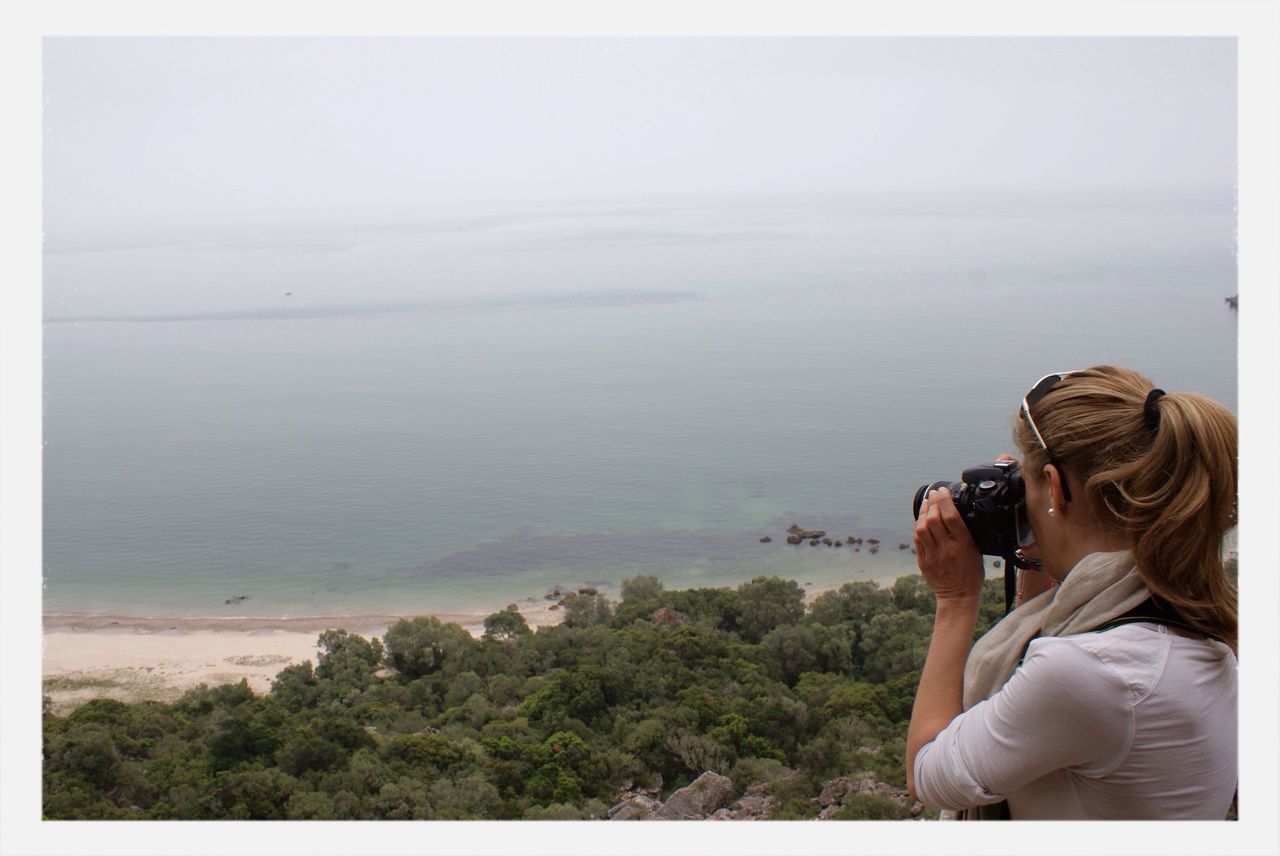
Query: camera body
[[991, 499]]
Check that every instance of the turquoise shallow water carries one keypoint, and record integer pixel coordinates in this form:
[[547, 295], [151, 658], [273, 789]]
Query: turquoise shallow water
[[466, 406]]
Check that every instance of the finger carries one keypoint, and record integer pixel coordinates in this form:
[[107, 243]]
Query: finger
[[949, 513], [1005, 456], [936, 521], [924, 537]]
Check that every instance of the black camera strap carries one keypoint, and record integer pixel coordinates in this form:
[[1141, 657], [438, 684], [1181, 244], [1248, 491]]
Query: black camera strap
[[1151, 611], [1154, 611]]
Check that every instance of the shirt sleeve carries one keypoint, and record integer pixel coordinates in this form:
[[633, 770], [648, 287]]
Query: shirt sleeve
[[1064, 708]]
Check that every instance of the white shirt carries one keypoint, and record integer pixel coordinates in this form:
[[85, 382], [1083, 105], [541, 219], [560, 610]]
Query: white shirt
[[1132, 723]]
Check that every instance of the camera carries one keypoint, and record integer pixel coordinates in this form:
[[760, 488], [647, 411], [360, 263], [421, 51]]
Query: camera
[[991, 500]]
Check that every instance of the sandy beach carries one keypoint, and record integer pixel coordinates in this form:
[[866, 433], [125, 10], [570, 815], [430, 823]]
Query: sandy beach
[[135, 659]]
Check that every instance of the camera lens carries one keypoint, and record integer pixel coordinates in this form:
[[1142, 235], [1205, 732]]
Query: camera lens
[[924, 489]]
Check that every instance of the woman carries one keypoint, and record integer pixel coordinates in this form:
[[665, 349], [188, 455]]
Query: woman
[[1074, 706]]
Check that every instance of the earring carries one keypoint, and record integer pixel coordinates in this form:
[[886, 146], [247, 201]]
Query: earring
[[1051, 511]]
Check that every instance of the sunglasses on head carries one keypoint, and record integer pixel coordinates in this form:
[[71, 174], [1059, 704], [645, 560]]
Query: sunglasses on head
[[1038, 392]]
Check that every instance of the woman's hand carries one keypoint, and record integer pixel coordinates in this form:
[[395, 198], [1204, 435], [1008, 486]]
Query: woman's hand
[[947, 557]]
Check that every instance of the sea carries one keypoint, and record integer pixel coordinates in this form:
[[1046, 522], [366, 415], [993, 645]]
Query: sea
[[454, 406]]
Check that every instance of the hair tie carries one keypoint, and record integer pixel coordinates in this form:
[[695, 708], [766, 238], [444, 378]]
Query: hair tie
[[1150, 413]]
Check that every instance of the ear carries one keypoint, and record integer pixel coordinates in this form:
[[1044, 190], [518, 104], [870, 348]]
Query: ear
[[1053, 477]]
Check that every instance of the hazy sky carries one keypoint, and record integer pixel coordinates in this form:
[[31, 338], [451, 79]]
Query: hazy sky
[[161, 127]]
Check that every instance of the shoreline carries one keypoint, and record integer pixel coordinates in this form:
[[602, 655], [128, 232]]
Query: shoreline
[[157, 658]]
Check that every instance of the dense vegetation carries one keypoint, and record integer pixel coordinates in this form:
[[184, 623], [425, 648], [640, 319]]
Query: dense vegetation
[[429, 722]]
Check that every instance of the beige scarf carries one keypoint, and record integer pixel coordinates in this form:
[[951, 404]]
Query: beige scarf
[[1099, 588]]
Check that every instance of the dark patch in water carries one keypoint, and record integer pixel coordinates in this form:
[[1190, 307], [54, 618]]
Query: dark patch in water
[[517, 554], [571, 300]]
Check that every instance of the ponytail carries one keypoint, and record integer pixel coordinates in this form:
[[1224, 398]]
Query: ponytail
[[1162, 468]]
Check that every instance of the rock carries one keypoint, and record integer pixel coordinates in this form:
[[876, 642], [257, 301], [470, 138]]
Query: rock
[[666, 615], [553, 594], [838, 544], [903, 546], [553, 607], [765, 539], [794, 539], [917, 808], [873, 540], [637, 807], [815, 542], [751, 807], [873, 549], [833, 791], [697, 799], [806, 533], [511, 607], [851, 540], [587, 590]]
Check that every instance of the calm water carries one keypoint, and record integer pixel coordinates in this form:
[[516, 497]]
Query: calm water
[[466, 405]]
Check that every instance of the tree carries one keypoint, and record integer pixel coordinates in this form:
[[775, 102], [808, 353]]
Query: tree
[[913, 593], [587, 610], [506, 625], [403, 799], [766, 603], [856, 602], [893, 644], [793, 650], [346, 659], [255, 793], [422, 645], [470, 796], [295, 686], [641, 588]]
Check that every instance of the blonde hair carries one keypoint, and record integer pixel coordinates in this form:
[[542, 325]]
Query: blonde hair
[[1171, 489]]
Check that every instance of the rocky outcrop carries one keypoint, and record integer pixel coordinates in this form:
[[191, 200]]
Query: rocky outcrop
[[707, 798], [635, 807], [698, 799], [756, 804], [666, 615], [833, 795], [765, 539], [805, 534]]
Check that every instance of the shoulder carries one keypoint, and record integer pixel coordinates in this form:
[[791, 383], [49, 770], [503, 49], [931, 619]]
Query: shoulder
[[1125, 663]]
